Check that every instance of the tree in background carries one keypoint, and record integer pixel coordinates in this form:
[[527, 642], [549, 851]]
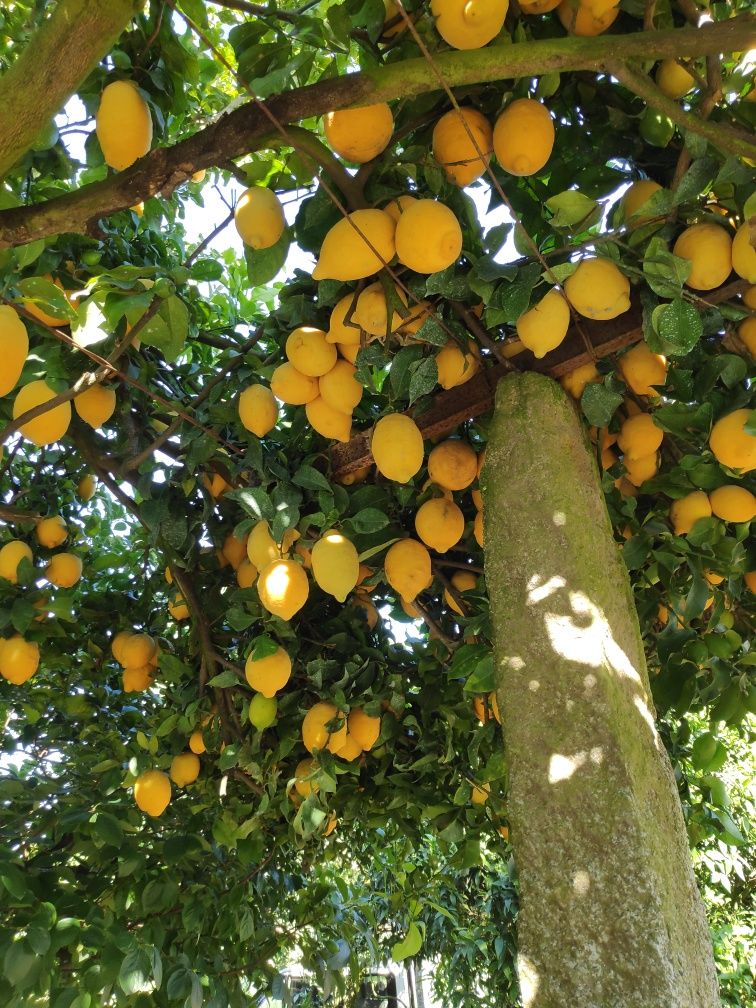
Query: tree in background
[[221, 748]]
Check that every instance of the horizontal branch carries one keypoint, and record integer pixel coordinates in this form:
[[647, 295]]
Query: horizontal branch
[[247, 128], [476, 396]]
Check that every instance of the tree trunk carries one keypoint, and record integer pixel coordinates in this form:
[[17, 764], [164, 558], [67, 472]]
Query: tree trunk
[[610, 914], [54, 63]]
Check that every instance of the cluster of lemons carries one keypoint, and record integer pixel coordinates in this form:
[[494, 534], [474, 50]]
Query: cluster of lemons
[[138, 654]]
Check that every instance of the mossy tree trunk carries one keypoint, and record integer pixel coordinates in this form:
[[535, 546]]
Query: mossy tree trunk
[[610, 914]]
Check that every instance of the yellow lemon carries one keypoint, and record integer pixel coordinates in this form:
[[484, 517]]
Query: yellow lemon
[[731, 445], [463, 144], [339, 388], [544, 326], [309, 351], [234, 550], [749, 298], [418, 315], [744, 255], [52, 531], [343, 326], [270, 674], [349, 351], [64, 570], [750, 580], [487, 708], [523, 137], [40, 314], [116, 645], [359, 134], [396, 206], [747, 334], [258, 410], [440, 524], [303, 785], [408, 568], [642, 370], [48, 427], [708, 247], [673, 80], [462, 581], [469, 24], [329, 422], [262, 548], [364, 728], [598, 290], [86, 487], [11, 556], [178, 608], [357, 246], [259, 218], [136, 680], [185, 769], [733, 503], [397, 447], [371, 613], [455, 367], [428, 237], [137, 650], [480, 795], [371, 312], [639, 436], [452, 465], [684, 513], [636, 197], [538, 6], [123, 124], [478, 529], [246, 574], [283, 588], [574, 381], [582, 21], [316, 733], [197, 742], [351, 749], [638, 470], [293, 387], [335, 565], [19, 659], [152, 792], [95, 405], [14, 348]]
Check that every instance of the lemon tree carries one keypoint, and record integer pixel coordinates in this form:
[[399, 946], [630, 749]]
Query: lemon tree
[[299, 613]]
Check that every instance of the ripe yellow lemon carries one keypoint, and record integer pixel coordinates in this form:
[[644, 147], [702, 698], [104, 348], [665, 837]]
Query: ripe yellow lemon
[[14, 348], [315, 728], [452, 465], [137, 650], [178, 608], [270, 674], [359, 134], [371, 312], [19, 659], [262, 548], [397, 447], [469, 24], [523, 137], [116, 645], [197, 742], [749, 298], [396, 206], [11, 556], [283, 588], [480, 795], [744, 255], [258, 410], [136, 680], [293, 387], [259, 218], [463, 144], [598, 290], [486, 708], [747, 334], [305, 769], [639, 436], [733, 503], [440, 524], [185, 769], [64, 570], [86, 487], [339, 388], [750, 580], [152, 792], [235, 550], [638, 470], [350, 750], [428, 237], [123, 124], [349, 351], [673, 80], [418, 315], [52, 531], [363, 728], [408, 568], [462, 581], [95, 405], [544, 326], [684, 513], [246, 574], [357, 246], [343, 326], [478, 529], [574, 381], [48, 427], [636, 197], [309, 351], [583, 22], [642, 369], [455, 367], [708, 247], [329, 422], [215, 485], [335, 565], [731, 445], [371, 613], [40, 314]]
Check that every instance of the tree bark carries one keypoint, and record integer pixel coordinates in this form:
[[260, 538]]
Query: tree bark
[[610, 915], [54, 63], [249, 128]]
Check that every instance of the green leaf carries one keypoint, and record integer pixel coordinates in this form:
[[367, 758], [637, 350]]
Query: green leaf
[[571, 208], [679, 327], [696, 181], [254, 500], [311, 479], [665, 273], [432, 331], [167, 329], [27, 254], [599, 404], [409, 946], [108, 829], [424, 378], [263, 265], [47, 296], [368, 520], [482, 679], [135, 974], [18, 962], [224, 679]]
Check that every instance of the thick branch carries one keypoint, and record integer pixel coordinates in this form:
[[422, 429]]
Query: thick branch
[[246, 128], [52, 66]]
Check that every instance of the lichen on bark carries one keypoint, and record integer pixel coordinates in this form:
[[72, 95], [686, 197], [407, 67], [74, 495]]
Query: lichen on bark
[[610, 914]]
